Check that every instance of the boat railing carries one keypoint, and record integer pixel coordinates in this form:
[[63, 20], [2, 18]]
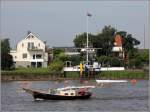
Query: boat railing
[[52, 91], [74, 87]]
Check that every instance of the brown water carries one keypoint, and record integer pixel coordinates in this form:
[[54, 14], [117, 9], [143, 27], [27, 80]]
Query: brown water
[[114, 97]]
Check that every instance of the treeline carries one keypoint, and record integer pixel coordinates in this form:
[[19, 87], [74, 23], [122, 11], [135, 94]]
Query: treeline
[[6, 58], [133, 57]]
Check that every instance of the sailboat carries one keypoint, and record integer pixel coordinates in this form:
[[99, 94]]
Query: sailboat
[[67, 93]]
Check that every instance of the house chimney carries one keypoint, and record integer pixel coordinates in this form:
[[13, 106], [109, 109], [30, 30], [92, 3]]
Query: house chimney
[[28, 32]]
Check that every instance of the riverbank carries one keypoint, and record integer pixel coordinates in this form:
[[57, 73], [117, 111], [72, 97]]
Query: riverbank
[[32, 74]]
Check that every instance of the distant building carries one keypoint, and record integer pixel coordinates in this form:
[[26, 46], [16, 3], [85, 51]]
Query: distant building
[[30, 52], [118, 49], [70, 51]]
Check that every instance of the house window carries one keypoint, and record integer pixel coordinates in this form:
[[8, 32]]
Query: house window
[[33, 64], [38, 56], [22, 45], [34, 56], [66, 94], [72, 94], [24, 55], [39, 44], [15, 57], [30, 45], [39, 64]]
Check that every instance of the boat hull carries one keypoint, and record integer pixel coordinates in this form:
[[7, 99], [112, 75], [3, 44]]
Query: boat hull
[[45, 96]]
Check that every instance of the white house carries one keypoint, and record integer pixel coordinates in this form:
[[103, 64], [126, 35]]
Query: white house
[[30, 52]]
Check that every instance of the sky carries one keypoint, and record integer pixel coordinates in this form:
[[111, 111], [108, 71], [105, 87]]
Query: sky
[[58, 22]]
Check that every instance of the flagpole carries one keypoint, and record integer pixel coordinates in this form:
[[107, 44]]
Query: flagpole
[[87, 40], [144, 36]]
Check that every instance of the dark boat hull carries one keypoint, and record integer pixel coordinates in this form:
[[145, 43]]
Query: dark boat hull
[[59, 97], [37, 94]]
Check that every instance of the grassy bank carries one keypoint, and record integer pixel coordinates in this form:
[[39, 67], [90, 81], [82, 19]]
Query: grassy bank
[[46, 74], [30, 74], [132, 74], [72, 74], [20, 71], [124, 74]]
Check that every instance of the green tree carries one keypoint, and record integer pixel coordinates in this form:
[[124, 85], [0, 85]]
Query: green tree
[[135, 63], [104, 60], [80, 40], [139, 59], [102, 40], [6, 61], [105, 41], [5, 46], [6, 58], [144, 56], [56, 66], [75, 60], [115, 62], [57, 52], [63, 57]]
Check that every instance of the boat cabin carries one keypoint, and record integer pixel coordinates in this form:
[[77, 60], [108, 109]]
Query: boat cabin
[[70, 91]]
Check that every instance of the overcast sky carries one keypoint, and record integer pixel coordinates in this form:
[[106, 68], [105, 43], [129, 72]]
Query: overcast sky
[[57, 22]]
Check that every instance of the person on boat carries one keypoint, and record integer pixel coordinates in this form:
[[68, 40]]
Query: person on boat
[[86, 69], [81, 72]]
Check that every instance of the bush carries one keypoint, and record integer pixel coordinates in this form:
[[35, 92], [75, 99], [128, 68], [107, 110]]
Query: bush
[[6, 61], [56, 66], [63, 57], [112, 61], [74, 59], [115, 62], [135, 63], [104, 60]]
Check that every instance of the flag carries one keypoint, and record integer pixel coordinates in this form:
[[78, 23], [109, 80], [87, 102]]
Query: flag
[[88, 14]]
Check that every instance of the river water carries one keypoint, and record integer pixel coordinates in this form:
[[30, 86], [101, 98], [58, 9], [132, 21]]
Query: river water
[[112, 97]]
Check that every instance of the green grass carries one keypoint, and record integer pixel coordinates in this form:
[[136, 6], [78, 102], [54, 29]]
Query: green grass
[[19, 71], [72, 74], [123, 75], [114, 75]]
